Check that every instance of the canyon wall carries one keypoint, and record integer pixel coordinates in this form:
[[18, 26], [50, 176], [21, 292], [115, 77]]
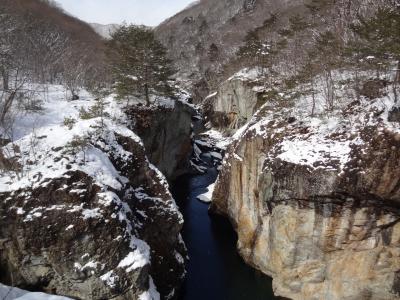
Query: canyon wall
[[166, 132], [315, 200]]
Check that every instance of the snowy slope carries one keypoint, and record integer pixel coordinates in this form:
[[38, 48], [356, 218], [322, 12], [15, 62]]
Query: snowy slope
[[104, 31], [12, 293], [327, 138], [44, 131], [44, 153]]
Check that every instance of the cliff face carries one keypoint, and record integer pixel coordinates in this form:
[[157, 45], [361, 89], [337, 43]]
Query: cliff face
[[316, 202], [235, 101], [84, 213], [166, 131]]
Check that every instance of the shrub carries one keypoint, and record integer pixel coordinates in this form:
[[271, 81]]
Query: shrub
[[85, 114], [69, 122], [78, 144]]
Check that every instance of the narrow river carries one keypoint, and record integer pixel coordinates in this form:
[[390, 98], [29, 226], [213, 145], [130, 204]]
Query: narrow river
[[215, 270]]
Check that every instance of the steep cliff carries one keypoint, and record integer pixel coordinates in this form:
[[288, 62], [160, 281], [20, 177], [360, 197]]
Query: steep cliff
[[84, 213], [315, 199], [166, 131], [235, 101]]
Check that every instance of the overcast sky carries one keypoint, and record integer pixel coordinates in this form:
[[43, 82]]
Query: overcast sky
[[146, 12]]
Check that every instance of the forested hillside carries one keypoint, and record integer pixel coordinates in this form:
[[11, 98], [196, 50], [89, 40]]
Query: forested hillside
[[208, 40], [42, 44]]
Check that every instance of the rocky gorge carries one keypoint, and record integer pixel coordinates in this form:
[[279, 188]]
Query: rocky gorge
[[282, 181]]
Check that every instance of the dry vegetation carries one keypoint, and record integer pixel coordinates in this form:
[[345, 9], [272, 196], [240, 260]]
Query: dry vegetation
[[39, 43]]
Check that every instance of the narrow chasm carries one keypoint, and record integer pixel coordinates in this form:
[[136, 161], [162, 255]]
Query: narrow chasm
[[214, 269]]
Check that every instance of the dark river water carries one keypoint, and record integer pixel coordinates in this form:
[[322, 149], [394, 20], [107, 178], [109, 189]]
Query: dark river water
[[215, 270]]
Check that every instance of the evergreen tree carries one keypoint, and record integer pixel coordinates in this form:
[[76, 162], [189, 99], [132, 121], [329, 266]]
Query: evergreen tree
[[252, 45], [255, 52], [213, 53], [139, 63], [379, 41]]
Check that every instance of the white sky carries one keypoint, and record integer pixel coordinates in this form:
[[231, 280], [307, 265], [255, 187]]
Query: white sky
[[146, 12]]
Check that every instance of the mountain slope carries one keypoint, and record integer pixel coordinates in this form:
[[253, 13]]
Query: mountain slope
[[190, 34], [52, 14]]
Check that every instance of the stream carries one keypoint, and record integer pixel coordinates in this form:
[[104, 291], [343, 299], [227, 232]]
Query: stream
[[215, 269]]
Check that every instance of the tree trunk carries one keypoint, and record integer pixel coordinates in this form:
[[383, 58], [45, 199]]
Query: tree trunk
[[313, 96], [5, 79], [396, 82], [7, 106], [146, 92]]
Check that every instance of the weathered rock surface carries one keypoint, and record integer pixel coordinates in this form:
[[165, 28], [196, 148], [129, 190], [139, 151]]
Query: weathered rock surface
[[316, 202], [166, 132], [235, 101]]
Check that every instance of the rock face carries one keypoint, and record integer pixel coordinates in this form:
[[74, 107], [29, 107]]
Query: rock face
[[235, 101], [86, 215], [166, 132], [316, 202]]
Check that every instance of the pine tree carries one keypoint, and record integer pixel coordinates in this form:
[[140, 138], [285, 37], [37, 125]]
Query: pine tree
[[379, 41], [139, 63], [255, 52], [213, 53], [252, 45]]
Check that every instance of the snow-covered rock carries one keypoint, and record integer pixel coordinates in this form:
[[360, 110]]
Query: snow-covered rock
[[84, 213], [315, 199]]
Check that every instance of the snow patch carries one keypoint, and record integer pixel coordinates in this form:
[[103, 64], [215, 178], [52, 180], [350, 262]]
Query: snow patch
[[137, 258], [110, 279], [13, 293], [152, 293], [207, 196]]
